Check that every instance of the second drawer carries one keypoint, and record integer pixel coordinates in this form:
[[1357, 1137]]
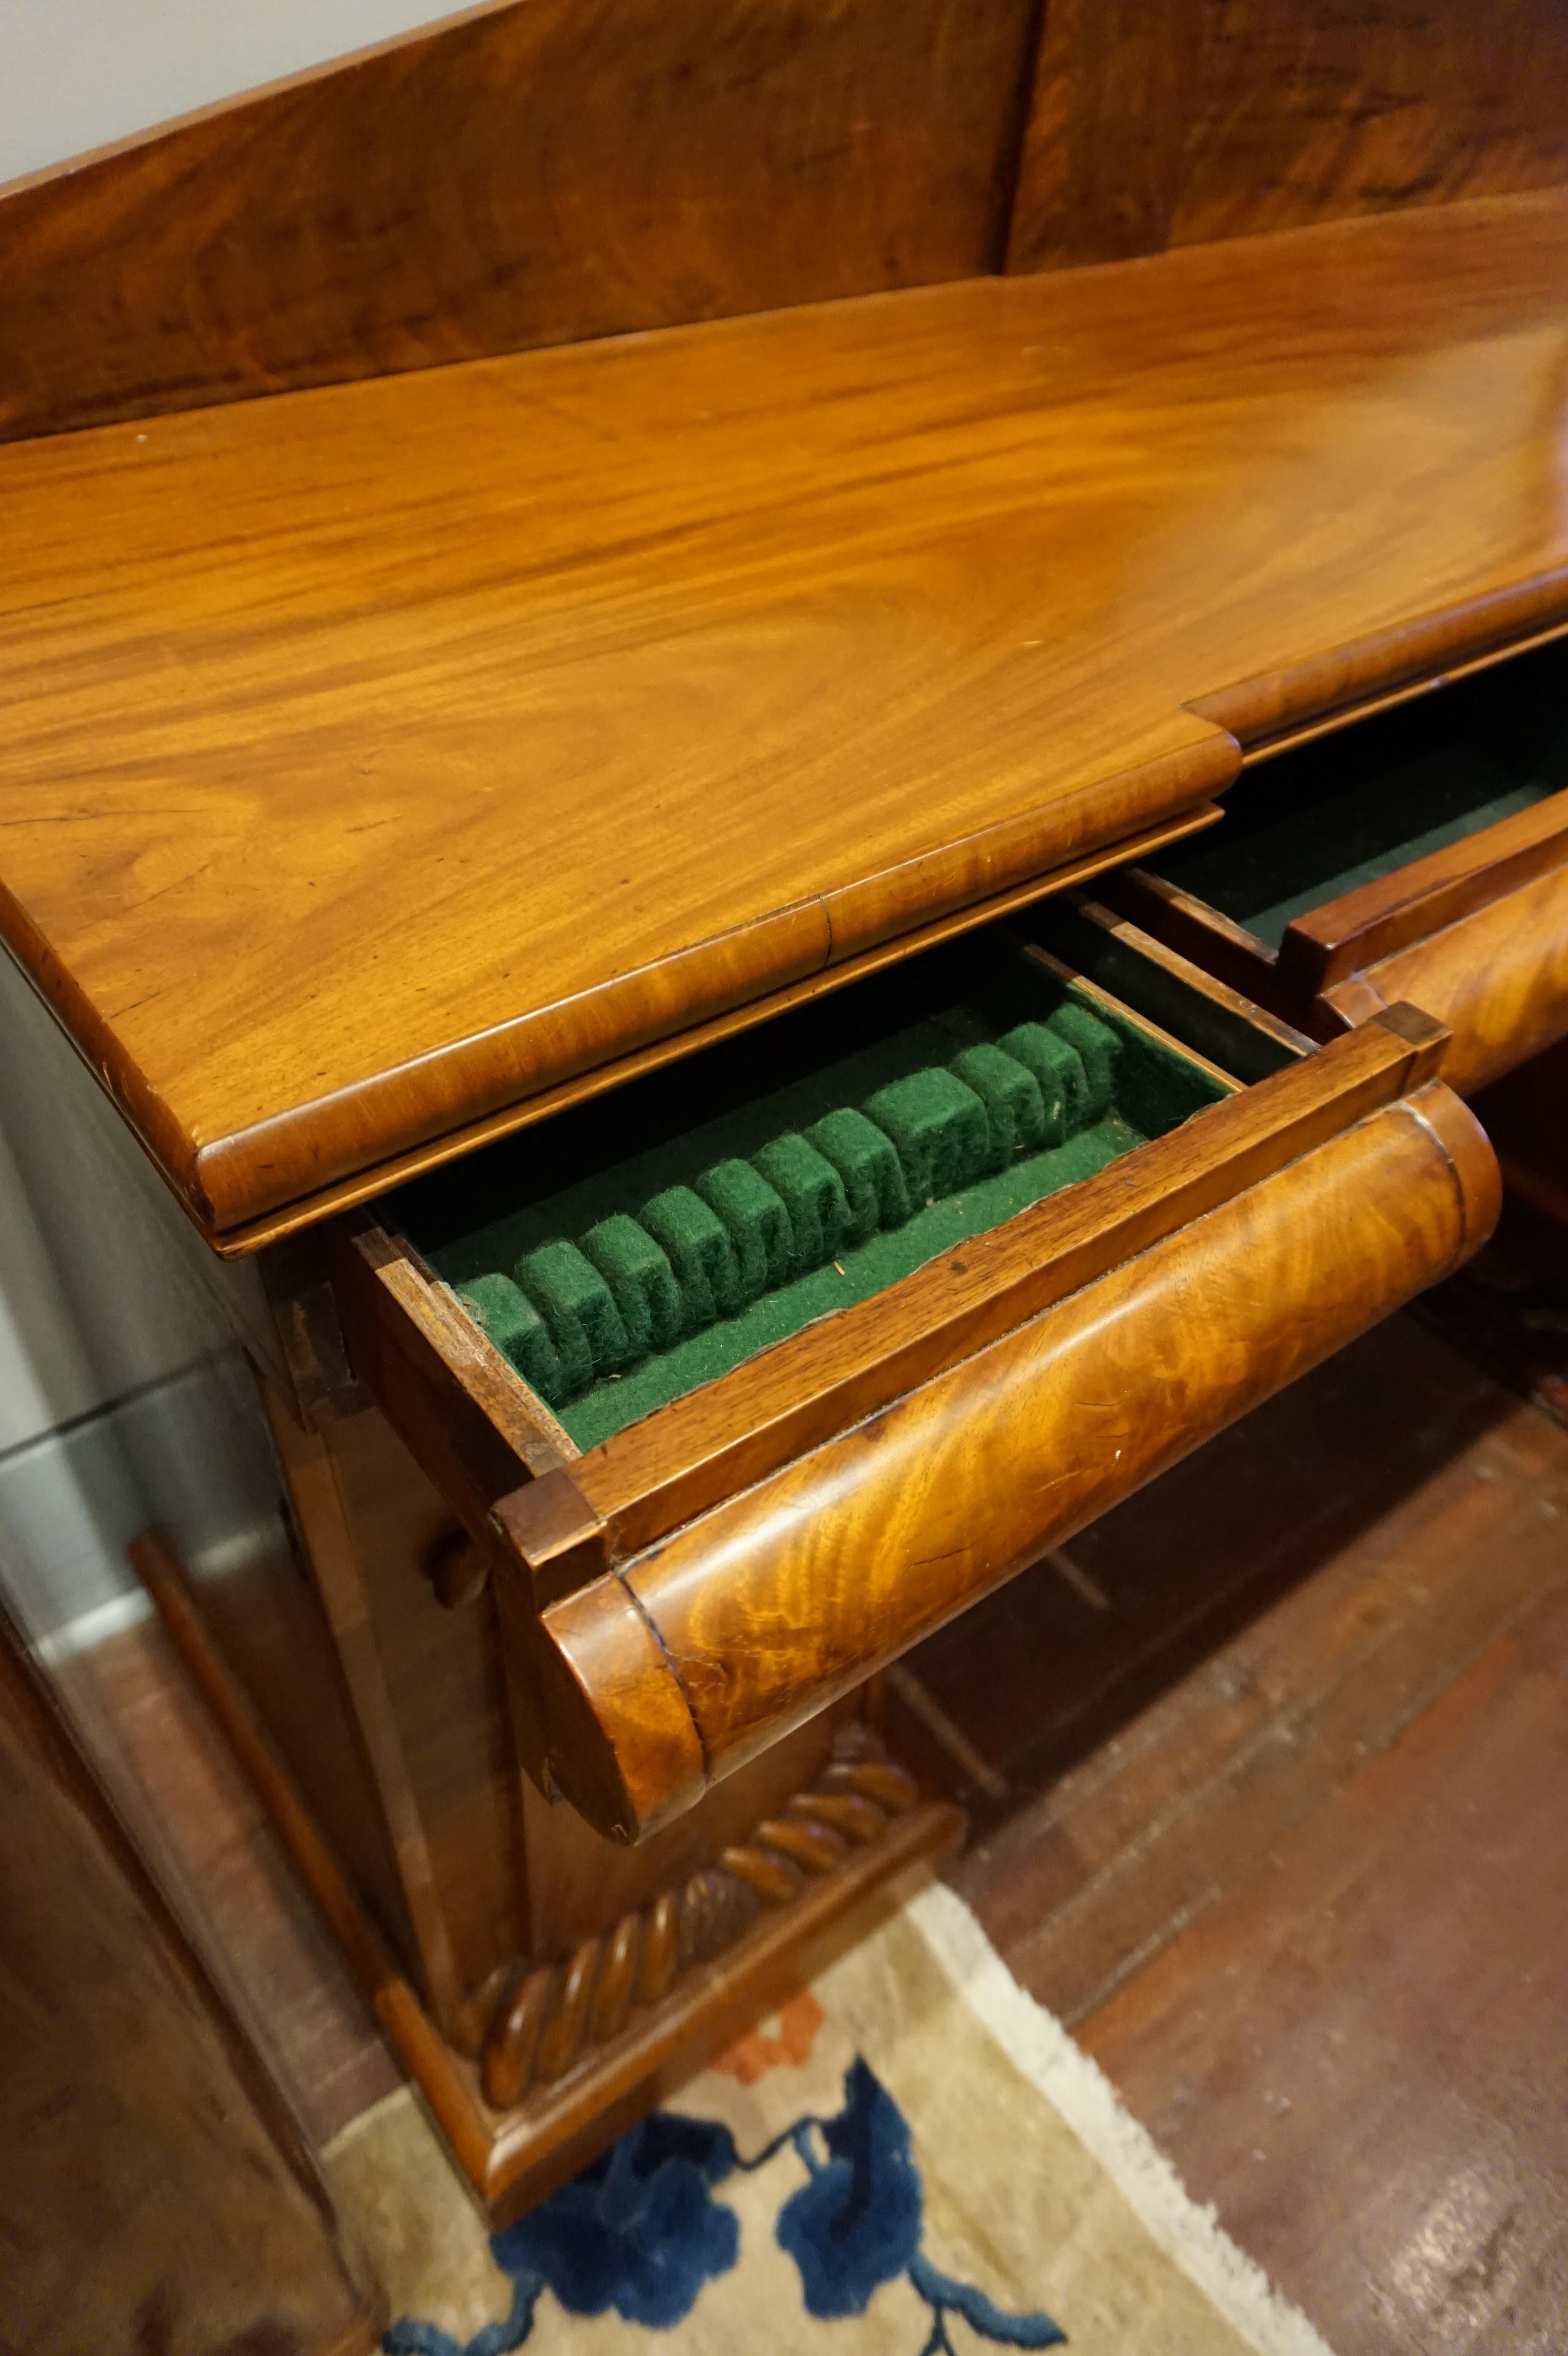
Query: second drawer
[[1420, 854]]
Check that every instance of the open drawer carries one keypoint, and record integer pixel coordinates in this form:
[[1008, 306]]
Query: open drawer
[[1419, 854], [833, 1327]]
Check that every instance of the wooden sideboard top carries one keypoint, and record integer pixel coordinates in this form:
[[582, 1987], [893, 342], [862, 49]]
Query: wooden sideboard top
[[381, 756]]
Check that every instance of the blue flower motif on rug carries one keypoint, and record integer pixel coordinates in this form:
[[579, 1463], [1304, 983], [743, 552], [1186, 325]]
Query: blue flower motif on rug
[[856, 2223], [640, 2231]]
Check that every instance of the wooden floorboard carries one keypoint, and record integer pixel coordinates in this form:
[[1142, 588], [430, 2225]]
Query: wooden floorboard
[[1284, 1833], [1362, 2053]]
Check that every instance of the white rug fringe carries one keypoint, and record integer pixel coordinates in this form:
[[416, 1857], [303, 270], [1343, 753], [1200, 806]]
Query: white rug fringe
[[1078, 2088]]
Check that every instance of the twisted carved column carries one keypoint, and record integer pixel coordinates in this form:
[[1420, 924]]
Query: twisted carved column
[[543, 2018]]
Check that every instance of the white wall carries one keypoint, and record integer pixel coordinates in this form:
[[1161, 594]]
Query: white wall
[[45, 1377], [75, 74], [121, 1398], [124, 1400]]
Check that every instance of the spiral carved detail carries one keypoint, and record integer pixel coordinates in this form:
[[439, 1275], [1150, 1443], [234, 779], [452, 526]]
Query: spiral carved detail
[[545, 2018]]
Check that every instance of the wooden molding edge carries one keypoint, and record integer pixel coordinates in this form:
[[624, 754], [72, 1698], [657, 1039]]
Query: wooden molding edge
[[1327, 690]]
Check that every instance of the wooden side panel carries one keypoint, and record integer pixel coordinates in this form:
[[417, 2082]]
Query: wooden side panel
[[428, 1696], [529, 174], [1174, 125]]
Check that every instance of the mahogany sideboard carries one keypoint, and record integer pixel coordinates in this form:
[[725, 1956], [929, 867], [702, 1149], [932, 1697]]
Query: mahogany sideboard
[[775, 947]]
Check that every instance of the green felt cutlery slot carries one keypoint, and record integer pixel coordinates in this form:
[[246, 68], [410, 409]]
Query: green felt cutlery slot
[[639, 1246]]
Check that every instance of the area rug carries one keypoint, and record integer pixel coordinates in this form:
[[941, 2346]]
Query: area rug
[[910, 2158]]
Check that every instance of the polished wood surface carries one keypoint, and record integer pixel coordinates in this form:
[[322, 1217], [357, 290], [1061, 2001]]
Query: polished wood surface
[[154, 2191], [1157, 123], [1101, 165], [542, 174], [292, 1222], [474, 650], [1305, 113], [1499, 976], [526, 174], [848, 1559], [1365, 926]]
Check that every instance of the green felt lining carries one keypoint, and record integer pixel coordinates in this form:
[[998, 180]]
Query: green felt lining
[[1057, 1069], [692, 1235], [516, 1329], [1015, 1113], [753, 1217], [855, 1277], [1307, 828], [576, 1305], [938, 1129], [655, 1270], [813, 1196], [867, 1162], [641, 1281]]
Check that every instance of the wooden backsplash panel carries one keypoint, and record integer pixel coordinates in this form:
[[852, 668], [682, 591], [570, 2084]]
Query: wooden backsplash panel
[[529, 174], [1307, 111], [1157, 123]]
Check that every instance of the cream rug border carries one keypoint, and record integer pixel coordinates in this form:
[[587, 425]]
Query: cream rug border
[[1041, 2050]]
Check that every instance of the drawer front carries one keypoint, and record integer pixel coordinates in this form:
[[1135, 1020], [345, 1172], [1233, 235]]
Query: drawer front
[[677, 1596]]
